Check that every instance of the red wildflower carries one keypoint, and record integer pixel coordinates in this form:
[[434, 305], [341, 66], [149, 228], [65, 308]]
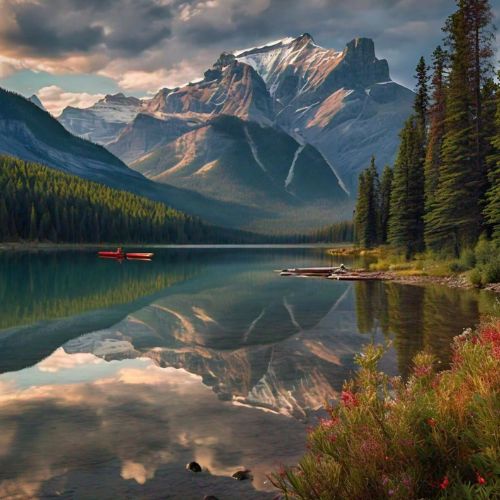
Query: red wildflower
[[431, 422], [444, 483], [332, 438], [480, 479], [349, 399], [328, 422], [491, 335], [422, 371]]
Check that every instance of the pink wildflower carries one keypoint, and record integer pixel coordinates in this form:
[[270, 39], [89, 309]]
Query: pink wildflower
[[349, 399], [422, 371], [444, 483]]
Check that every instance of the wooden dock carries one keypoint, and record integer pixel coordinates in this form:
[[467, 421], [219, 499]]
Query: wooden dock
[[334, 273]]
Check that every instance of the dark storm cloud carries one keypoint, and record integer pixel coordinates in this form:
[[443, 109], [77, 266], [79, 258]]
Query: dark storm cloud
[[56, 27], [402, 29], [183, 37]]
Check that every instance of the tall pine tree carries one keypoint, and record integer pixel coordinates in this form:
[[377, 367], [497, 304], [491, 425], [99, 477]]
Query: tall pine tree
[[384, 202], [454, 220], [436, 129], [366, 215], [421, 103], [406, 228], [492, 210]]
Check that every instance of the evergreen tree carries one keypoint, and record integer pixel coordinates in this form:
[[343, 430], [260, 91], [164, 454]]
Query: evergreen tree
[[33, 228], [421, 103], [385, 199], [492, 211], [366, 214], [454, 220], [405, 231], [436, 129], [479, 33], [4, 220]]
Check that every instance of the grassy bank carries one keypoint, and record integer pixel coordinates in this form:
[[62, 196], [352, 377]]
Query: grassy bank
[[479, 266], [435, 435]]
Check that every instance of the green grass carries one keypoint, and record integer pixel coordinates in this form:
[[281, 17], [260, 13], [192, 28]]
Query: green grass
[[481, 264], [435, 435]]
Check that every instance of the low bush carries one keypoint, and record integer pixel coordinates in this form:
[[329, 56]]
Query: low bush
[[435, 435], [487, 261]]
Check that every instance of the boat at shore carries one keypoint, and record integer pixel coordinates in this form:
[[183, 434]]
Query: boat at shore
[[341, 273]]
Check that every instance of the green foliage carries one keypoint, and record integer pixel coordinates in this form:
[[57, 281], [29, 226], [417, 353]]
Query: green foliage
[[434, 435], [446, 185], [455, 220], [385, 202], [406, 227], [40, 203], [487, 261], [492, 210], [367, 207], [436, 130], [421, 103]]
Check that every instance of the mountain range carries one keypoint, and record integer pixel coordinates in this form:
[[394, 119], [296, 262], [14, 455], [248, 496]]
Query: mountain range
[[272, 138]]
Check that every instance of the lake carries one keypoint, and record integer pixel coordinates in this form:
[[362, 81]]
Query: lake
[[114, 375]]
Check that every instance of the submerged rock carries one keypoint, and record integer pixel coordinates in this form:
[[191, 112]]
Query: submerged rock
[[193, 467]]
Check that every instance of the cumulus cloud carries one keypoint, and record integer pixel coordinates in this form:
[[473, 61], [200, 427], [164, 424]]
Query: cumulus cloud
[[147, 44], [55, 99]]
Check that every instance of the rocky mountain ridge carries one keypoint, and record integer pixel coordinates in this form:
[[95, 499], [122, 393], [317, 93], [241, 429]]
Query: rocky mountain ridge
[[343, 103]]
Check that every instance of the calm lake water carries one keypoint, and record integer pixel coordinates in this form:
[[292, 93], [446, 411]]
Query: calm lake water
[[114, 375]]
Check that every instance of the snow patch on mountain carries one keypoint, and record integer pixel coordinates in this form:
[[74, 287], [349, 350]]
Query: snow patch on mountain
[[253, 149], [281, 42], [289, 177]]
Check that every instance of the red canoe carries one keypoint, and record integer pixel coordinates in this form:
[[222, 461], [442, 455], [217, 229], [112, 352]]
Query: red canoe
[[114, 255], [119, 254], [139, 255]]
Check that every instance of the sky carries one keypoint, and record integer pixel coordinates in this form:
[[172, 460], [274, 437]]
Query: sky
[[73, 52]]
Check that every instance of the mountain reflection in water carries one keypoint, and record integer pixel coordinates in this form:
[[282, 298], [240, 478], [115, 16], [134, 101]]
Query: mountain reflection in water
[[223, 363]]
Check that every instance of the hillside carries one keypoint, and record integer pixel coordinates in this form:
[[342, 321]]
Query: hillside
[[40, 203]]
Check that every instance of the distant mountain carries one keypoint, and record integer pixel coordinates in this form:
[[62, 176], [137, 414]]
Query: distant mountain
[[233, 160], [343, 103], [102, 122], [29, 133], [35, 100]]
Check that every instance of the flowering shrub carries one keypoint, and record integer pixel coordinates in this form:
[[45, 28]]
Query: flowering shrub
[[437, 435]]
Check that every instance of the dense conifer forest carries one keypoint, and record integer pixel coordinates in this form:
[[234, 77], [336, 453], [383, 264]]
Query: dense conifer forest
[[443, 193], [38, 203]]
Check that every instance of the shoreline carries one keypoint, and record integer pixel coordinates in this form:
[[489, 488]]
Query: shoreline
[[47, 246], [452, 281], [408, 277]]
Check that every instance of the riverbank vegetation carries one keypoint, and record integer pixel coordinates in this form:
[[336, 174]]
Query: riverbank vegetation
[[438, 207], [434, 435]]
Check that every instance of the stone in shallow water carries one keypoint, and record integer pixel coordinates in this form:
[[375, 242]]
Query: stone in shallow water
[[241, 475], [210, 497], [193, 467]]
